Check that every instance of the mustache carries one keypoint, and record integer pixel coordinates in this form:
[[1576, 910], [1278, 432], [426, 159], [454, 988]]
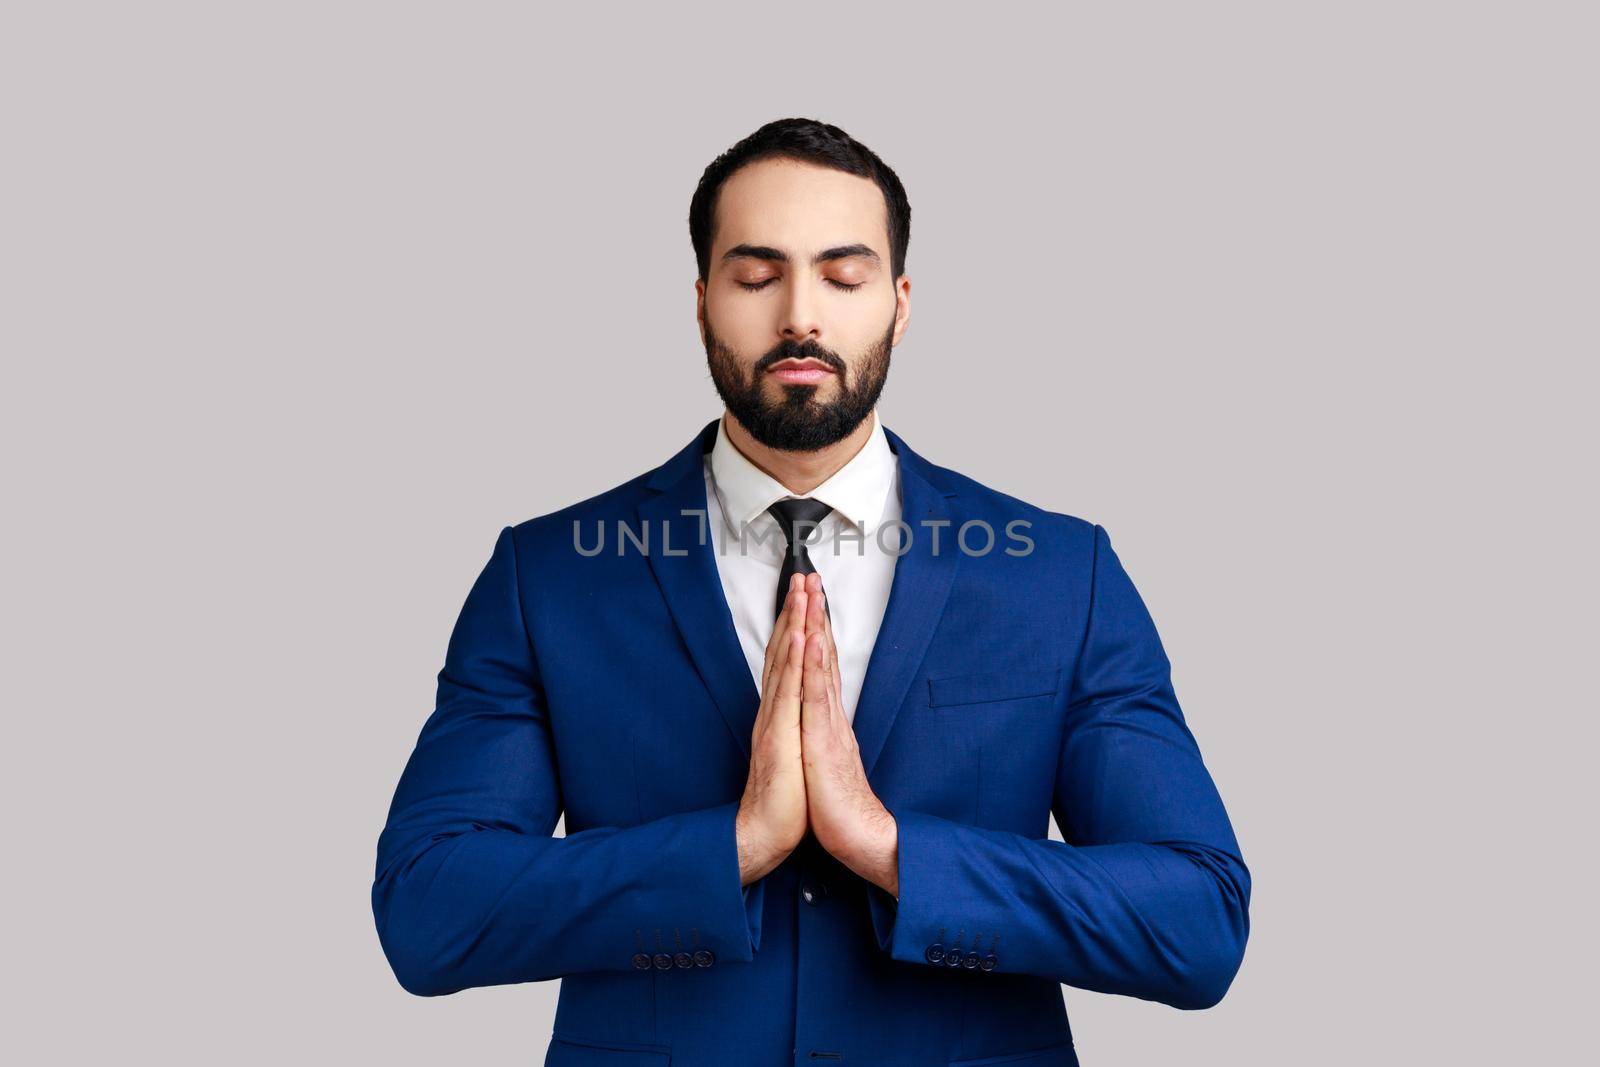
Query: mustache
[[795, 350]]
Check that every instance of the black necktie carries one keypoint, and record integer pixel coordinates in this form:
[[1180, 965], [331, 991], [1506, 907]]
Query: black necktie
[[791, 514]]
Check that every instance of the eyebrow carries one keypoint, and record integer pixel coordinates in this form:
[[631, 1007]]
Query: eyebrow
[[766, 252]]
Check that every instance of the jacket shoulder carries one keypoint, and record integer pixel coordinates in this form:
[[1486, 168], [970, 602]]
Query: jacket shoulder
[[992, 505], [554, 529]]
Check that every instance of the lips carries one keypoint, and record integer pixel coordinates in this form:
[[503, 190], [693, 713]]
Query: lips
[[800, 372]]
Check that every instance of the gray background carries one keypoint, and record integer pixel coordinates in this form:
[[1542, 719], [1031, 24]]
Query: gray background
[[302, 302]]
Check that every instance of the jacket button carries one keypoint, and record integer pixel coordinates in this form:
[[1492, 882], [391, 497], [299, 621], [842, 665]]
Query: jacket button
[[663, 961], [989, 962], [704, 957], [970, 960], [935, 953], [641, 961], [813, 892], [683, 960]]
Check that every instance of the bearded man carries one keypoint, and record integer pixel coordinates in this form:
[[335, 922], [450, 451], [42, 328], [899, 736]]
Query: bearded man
[[808, 702]]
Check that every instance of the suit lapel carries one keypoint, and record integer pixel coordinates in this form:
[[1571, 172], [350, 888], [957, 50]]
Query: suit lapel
[[692, 586], [917, 596]]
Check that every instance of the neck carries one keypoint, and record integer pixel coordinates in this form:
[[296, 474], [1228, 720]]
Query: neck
[[799, 472]]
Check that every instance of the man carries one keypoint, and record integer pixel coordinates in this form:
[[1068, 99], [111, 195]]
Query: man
[[808, 701]]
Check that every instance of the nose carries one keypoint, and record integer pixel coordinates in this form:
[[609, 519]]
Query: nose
[[800, 321]]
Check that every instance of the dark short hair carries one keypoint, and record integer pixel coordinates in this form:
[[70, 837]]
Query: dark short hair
[[808, 141]]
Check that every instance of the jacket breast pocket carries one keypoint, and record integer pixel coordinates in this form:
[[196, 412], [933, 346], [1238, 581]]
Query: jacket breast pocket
[[989, 687]]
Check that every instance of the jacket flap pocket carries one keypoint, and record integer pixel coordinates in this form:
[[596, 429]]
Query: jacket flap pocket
[[576, 1052], [1062, 1055], [993, 685]]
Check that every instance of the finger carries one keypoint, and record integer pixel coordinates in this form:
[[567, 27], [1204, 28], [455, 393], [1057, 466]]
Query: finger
[[832, 649], [838, 695], [772, 644], [824, 619], [777, 642], [793, 615], [819, 621], [789, 690], [814, 686], [815, 618]]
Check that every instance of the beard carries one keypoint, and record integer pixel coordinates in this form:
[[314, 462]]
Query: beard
[[796, 422]]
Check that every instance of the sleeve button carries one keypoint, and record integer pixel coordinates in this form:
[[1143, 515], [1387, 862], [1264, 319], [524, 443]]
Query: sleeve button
[[683, 960], [989, 962], [663, 961], [704, 957], [970, 960], [641, 961], [935, 953]]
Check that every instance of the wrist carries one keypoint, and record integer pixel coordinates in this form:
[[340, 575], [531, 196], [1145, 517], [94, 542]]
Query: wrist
[[757, 854], [874, 854]]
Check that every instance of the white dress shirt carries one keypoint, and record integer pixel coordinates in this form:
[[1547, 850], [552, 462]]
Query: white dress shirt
[[856, 574]]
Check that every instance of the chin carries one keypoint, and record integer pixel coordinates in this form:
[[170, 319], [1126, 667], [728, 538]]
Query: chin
[[786, 391]]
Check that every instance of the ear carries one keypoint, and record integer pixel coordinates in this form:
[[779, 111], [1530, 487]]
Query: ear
[[700, 308], [902, 306]]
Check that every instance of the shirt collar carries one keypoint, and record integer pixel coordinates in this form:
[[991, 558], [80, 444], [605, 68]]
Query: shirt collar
[[857, 491]]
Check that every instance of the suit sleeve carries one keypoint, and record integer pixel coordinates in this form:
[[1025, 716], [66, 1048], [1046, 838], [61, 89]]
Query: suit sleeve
[[470, 887], [1148, 896]]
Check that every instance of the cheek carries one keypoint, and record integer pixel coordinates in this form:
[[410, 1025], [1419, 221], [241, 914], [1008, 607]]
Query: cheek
[[866, 316], [864, 328], [741, 325]]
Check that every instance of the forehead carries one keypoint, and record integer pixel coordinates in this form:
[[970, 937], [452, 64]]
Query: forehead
[[799, 207]]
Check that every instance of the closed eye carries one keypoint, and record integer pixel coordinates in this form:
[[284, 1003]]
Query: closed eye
[[753, 286]]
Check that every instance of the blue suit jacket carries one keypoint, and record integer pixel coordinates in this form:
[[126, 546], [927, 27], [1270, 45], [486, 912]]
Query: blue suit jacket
[[1003, 687]]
